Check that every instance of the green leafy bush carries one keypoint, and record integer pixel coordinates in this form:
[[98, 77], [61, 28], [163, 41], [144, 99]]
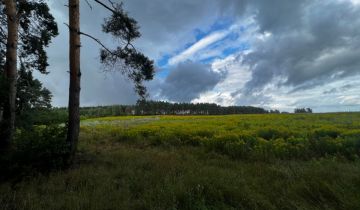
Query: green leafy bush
[[326, 132], [270, 133], [38, 150]]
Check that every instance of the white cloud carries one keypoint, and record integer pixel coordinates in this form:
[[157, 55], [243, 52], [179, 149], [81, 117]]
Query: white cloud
[[201, 44], [236, 77]]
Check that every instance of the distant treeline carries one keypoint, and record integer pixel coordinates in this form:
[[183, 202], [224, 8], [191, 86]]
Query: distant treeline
[[303, 110], [155, 108], [151, 108], [166, 108]]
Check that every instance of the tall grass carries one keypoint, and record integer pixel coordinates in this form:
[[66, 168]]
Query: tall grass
[[209, 162]]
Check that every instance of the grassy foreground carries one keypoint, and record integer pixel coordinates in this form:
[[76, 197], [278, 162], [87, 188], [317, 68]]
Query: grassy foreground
[[204, 162]]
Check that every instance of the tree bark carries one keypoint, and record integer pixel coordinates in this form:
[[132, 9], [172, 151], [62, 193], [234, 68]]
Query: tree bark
[[10, 73], [75, 75]]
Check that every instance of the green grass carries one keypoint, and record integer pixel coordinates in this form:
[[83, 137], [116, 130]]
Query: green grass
[[200, 162]]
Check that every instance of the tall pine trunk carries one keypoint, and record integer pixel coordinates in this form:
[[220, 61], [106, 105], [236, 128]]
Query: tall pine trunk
[[10, 73], [75, 75]]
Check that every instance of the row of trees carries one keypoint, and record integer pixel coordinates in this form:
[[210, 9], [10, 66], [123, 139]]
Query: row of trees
[[57, 115], [163, 108], [303, 110], [26, 29], [153, 108]]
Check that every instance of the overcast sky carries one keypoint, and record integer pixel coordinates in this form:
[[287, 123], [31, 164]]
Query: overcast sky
[[277, 54]]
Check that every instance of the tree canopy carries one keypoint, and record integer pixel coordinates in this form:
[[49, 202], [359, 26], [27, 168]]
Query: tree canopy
[[36, 29]]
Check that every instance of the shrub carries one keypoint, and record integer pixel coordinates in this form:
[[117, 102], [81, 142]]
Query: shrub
[[326, 132], [325, 146], [351, 145], [41, 149], [270, 133]]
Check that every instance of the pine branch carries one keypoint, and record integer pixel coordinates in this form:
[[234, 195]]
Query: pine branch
[[88, 3], [96, 40], [91, 37], [106, 6]]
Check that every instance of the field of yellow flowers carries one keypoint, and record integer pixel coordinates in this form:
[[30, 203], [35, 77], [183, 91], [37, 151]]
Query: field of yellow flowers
[[263, 137]]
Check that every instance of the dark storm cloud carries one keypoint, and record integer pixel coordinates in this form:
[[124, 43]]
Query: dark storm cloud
[[277, 15], [165, 24], [188, 80], [311, 43]]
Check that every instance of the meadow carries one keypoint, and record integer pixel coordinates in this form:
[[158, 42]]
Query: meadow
[[257, 137], [263, 161]]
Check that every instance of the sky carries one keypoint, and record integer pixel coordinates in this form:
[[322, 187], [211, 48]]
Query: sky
[[277, 54]]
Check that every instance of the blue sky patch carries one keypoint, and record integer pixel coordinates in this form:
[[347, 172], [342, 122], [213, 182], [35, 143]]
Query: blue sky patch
[[163, 61], [223, 51]]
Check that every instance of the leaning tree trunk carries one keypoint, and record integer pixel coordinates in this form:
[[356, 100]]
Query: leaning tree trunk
[[75, 74], [10, 73]]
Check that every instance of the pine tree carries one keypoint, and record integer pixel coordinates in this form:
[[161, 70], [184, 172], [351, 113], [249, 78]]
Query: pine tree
[[26, 29]]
